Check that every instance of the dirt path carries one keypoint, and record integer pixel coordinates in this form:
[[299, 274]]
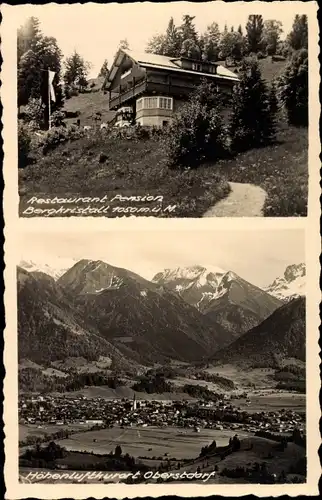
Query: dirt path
[[244, 200]]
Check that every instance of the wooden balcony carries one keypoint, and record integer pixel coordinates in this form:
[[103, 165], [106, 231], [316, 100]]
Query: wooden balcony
[[127, 93], [178, 86]]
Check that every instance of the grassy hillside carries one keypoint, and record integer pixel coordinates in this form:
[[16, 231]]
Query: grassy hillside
[[88, 104], [133, 167], [138, 167], [257, 450]]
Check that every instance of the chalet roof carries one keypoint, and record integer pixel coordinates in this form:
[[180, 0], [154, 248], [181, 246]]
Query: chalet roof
[[148, 60]]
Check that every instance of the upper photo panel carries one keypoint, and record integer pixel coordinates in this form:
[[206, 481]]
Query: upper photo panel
[[163, 110]]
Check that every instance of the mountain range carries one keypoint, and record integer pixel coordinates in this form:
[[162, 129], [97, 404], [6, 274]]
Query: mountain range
[[220, 295], [142, 321], [279, 337], [95, 309], [55, 270], [291, 285]]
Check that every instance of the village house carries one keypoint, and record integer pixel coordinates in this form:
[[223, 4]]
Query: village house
[[151, 88]]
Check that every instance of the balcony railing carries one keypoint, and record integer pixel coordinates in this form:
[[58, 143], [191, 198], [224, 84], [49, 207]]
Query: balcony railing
[[126, 92]]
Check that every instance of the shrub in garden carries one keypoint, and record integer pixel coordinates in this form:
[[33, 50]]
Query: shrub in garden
[[34, 113], [57, 119], [252, 120], [197, 133], [24, 141], [59, 135]]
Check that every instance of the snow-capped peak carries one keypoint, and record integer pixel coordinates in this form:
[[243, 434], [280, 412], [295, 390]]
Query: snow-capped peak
[[188, 273], [198, 285], [291, 284], [56, 269]]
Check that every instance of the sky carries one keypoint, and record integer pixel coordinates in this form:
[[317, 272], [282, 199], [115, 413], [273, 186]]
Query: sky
[[259, 256], [95, 30]]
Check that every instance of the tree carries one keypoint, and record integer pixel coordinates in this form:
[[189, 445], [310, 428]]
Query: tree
[[104, 69], [28, 36], [157, 45], [76, 71], [272, 99], [172, 42], [190, 49], [124, 44], [298, 37], [168, 44], [187, 30], [209, 43], [252, 124], [254, 32], [197, 133], [36, 54], [240, 30], [272, 31], [232, 45], [293, 89], [29, 77], [118, 451]]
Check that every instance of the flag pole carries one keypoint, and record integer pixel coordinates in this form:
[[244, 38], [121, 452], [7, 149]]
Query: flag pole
[[49, 103]]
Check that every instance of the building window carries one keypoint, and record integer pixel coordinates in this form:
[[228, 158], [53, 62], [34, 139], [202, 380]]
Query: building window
[[154, 103], [196, 67], [126, 73], [150, 102], [165, 102], [139, 104]]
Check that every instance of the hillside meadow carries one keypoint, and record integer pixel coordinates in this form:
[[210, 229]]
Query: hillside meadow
[[139, 167]]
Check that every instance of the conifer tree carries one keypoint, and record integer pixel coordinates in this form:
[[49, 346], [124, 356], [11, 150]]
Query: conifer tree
[[209, 43], [172, 43], [252, 123], [298, 37], [188, 30], [76, 72], [254, 31], [36, 54], [293, 89], [104, 69]]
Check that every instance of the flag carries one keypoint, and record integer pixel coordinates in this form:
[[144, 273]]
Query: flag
[[51, 75]]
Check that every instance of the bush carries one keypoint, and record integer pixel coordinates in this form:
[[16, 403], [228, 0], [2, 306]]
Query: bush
[[70, 91], [72, 114], [59, 135], [277, 58], [24, 141], [197, 134], [57, 119], [261, 55], [34, 113]]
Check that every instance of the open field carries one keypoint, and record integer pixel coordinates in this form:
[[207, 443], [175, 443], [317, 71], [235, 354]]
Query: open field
[[149, 441], [26, 430], [246, 379], [273, 402]]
